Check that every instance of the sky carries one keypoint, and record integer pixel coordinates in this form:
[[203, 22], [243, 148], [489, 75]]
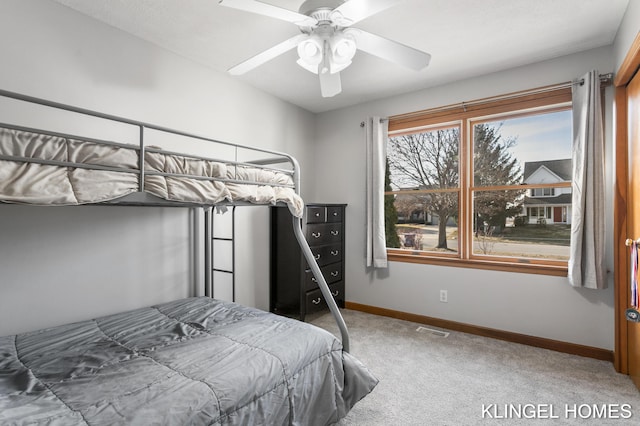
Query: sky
[[540, 137]]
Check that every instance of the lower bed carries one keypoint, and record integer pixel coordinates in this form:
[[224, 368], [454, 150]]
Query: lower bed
[[195, 361]]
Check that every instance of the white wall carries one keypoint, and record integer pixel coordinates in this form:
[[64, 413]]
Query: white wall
[[81, 262], [627, 32], [535, 305]]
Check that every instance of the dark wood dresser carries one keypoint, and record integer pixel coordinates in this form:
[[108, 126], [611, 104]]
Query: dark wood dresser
[[293, 290]]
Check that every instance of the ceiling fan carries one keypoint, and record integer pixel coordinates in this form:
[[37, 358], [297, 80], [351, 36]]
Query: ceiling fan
[[328, 43]]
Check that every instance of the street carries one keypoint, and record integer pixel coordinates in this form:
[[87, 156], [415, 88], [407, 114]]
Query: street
[[426, 236]]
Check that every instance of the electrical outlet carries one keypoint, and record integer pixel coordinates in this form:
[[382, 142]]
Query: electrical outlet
[[443, 296]]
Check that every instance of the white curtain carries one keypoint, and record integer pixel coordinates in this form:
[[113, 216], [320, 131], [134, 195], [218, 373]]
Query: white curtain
[[586, 260], [376, 140]]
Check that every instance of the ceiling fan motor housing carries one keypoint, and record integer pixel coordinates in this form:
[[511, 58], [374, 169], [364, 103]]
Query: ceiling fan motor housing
[[311, 6]]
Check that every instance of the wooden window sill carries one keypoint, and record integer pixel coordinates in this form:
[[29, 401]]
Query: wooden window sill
[[520, 267]]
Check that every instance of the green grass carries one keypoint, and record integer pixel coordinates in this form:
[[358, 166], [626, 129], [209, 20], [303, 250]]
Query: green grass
[[556, 234]]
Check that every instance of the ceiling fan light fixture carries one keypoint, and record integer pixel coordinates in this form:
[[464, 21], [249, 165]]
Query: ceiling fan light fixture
[[310, 52], [343, 49], [334, 68], [307, 66]]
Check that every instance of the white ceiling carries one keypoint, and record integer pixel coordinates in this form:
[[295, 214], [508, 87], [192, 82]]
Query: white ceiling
[[466, 38]]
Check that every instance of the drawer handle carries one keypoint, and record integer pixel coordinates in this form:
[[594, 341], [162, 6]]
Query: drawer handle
[[316, 234], [316, 301], [335, 273], [317, 214], [335, 233], [334, 294], [335, 252], [314, 279], [317, 256], [335, 213]]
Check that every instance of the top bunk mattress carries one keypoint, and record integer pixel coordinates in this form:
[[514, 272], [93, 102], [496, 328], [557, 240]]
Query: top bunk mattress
[[47, 169]]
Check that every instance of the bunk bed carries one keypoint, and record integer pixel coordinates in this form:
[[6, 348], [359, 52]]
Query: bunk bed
[[190, 361]]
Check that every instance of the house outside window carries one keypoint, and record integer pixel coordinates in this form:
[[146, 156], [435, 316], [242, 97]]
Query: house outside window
[[484, 185], [556, 202]]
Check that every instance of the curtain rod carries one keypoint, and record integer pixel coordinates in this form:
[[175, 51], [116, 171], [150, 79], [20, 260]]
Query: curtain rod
[[382, 120], [605, 80]]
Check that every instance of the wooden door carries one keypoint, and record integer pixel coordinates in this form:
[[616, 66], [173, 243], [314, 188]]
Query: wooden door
[[626, 212], [633, 209]]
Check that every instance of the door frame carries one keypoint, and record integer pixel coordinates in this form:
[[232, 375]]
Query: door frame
[[625, 73]]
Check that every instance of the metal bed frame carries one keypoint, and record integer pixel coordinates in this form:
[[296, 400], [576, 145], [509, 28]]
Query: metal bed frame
[[141, 198]]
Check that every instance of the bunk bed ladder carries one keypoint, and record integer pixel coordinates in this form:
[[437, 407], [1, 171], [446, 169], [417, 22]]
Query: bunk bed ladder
[[220, 233]]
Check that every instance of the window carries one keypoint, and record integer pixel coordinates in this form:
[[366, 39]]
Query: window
[[426, 178], [542, 192], [486, 185]]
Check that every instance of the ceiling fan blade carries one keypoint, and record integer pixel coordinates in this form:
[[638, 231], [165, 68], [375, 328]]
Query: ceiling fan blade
[[271, 11], [330, 84], [267, 55], [353, 11], [391, 50]]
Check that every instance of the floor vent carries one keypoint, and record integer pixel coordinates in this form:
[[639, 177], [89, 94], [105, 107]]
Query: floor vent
[[432, 331]]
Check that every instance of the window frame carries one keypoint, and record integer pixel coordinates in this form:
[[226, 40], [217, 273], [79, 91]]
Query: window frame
[[541, 100]]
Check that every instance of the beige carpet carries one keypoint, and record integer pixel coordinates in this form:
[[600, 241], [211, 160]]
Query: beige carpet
[[464, 379]]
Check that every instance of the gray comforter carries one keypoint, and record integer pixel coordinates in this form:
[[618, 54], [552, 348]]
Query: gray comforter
[[195, 361]]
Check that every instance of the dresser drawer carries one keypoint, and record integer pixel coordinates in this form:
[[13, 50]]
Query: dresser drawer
[[331, 273], [315, 300], [325, 255], [334, 214], [320, 214], [324, 233], [316, 214]]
